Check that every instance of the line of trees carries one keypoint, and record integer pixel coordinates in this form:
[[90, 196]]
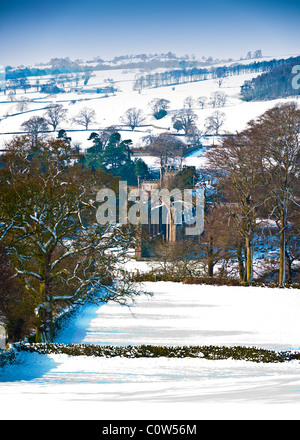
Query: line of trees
[[258, 174], [186, 120], [252, 204], [277, 83], [55, 115], [181, 76]]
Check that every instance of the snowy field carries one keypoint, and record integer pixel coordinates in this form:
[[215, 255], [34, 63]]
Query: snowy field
[[179, 314], [110, 109], [60, 386]]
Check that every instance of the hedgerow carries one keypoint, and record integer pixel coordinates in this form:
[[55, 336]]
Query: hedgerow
[[252, 354], [155, 277]]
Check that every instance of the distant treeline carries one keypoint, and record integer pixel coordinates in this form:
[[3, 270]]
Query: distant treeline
[[274, 84], [58, 66], [181, 76], [12, 74], [27, 72]]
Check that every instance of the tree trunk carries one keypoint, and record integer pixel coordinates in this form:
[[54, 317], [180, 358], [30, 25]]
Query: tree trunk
[[245, 271], [289, 267], [39, 329], [240, 260], [282, 244], [249, 277], [45, 312], [211, 257], [44, 331]]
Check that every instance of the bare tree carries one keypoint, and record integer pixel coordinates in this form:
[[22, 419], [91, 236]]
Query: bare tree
[[186, 118], [105, 135], [214, 99], [218, 99], [217, 243], [55, 114], [215, 122], [166, 148], [189, 102], [133, 117], [202, 100], [260, 168], [222, 99], [85, 117], [237, 166], [277, 137], [35, 127], [177, 259], [220, 81], [13, 85], [11, 96], [194, 135], [158, 104], [22, 105]]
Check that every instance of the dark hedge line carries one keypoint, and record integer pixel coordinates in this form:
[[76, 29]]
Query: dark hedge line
[[153, 277], [148, 351]]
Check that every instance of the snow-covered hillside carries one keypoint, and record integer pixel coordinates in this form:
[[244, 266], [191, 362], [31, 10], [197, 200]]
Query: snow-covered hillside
[[109, 109], [61, 386], [180, 314]]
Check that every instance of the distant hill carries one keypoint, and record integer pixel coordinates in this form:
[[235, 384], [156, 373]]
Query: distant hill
[[57, 66]]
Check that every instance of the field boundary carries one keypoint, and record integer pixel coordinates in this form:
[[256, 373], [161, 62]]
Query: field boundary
[[252, 354]]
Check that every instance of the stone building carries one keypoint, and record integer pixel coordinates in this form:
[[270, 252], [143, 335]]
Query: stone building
[[167, 227]]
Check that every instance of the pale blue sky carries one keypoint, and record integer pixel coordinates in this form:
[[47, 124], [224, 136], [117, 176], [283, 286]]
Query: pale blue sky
[[34, 31]]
